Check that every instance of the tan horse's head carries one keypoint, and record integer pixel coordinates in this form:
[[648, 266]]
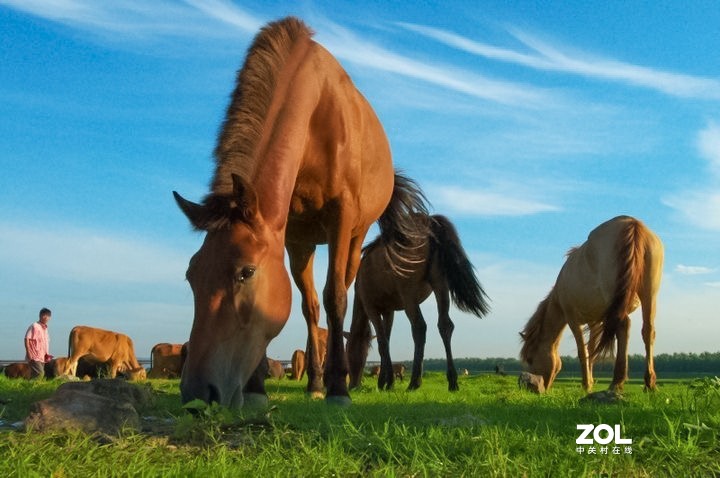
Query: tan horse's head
[[241, 292], [541, 338]]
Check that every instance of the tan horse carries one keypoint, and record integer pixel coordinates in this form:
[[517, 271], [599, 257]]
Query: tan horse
[[443, 268], [618, 268], [301, 160]]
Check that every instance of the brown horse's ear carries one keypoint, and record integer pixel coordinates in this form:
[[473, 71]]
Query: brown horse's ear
[[522, 335], [245, 193], [196, 213]]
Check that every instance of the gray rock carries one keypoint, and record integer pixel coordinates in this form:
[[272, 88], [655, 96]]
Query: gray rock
[[532, 382], [101, 406]]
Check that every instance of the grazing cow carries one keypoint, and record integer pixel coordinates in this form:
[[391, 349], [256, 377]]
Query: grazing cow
[[18, 370], [103, 346], [398, 370], [275, 369], [166, 361], [298, 365]]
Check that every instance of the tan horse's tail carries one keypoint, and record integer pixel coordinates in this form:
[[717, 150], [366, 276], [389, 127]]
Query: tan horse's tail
[[631, 247], [403, 228], [465, 288]]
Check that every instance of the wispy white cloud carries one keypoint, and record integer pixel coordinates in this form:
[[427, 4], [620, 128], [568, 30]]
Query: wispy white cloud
[[701, 206], [693, 270], [492, 201], [228, 12], [63, 252], [346, 45], [559, 59]]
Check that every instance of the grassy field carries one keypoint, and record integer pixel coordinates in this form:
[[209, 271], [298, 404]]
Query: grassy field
[[488, 428]]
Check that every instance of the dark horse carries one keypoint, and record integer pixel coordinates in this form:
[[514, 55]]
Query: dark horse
[[441, 267], [301, 160], [618, 268]]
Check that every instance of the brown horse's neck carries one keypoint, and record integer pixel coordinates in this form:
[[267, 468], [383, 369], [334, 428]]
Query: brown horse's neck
[[281, 147]]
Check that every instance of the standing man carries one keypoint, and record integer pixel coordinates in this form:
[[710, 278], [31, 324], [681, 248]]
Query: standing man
[[37, 344]]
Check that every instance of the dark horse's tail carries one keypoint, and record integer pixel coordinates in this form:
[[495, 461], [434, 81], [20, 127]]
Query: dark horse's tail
[[402, 230], [465, 289], [631, 247]]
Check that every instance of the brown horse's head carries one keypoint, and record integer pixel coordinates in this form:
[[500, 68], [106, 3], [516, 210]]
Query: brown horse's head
[[541, 338], [242, 294]]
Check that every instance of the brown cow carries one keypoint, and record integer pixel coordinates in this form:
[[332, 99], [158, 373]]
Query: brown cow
[[298, 365], [275, 369], [166, 361], [103, 346], [398, 370], [18, 370]]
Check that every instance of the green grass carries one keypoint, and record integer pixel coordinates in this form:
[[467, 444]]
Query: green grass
[[488, 428]]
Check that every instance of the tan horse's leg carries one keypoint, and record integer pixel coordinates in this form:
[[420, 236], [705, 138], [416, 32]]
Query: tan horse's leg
[[419, 333], [648, 335], [620, 372], [301, 267], [583, 356]]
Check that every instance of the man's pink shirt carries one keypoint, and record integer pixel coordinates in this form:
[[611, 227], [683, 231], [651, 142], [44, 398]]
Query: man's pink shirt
[[39, 345]]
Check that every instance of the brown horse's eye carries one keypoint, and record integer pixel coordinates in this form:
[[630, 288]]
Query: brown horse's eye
[[244, 274]]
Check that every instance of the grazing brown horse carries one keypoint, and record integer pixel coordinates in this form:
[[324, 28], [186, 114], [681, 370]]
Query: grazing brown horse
[[301, 160], [601, 283], [441, 267]]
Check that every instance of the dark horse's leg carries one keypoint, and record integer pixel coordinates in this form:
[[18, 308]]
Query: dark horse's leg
[[419, 333], [301, 268], [383, 327], [358, 342], [446, 327]]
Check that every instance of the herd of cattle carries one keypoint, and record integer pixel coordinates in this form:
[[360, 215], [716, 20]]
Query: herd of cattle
[[94, 353]]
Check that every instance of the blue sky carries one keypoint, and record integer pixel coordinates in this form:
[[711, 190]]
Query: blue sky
[[527, 124]]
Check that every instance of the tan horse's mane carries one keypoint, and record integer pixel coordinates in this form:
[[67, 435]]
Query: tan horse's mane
[[250, 101], [532, 332]]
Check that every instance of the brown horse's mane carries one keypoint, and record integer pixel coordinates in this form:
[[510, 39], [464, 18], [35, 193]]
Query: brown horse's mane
[[250, 101], [533, 329]]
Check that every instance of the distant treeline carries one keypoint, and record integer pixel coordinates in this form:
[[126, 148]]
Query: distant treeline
[[705, 362]]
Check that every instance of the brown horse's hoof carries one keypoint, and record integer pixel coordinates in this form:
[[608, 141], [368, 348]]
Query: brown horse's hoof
[[339, 400], [317, 395]]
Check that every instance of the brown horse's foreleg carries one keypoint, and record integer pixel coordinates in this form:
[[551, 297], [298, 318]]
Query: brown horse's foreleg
[[583, 356], [301, 267], [620, 372], [446, 328], [335, 302], [254, 389], [419, 333]]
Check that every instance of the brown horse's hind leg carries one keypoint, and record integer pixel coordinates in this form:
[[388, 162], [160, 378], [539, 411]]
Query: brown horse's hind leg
[[301, 266], [419, 333], [621, 360], [446, 328]]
